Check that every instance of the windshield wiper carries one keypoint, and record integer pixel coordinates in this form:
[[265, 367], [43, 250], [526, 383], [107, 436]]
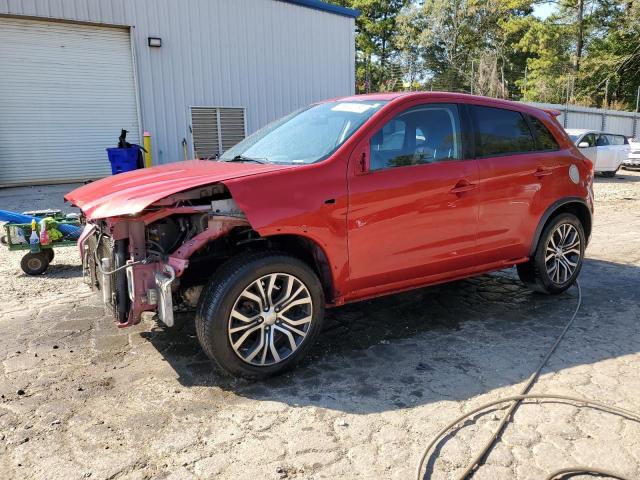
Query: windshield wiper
[[242, 158]]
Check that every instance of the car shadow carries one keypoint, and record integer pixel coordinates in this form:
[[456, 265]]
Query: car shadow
[[622, 176], [446, 342]]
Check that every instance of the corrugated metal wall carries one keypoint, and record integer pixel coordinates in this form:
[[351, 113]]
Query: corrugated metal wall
[[615, 121], [268, 56]]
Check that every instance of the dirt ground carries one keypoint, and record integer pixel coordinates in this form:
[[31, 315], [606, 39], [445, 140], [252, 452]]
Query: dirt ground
[[81, 398]]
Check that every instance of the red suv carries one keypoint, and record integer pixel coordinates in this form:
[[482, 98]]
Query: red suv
[[340, 201]]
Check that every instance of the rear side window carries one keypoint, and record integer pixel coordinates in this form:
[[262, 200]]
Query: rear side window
[[500, 132], [546, 141], [615, 139]]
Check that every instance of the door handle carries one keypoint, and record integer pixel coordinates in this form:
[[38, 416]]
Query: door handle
[[463, 186], [542, 172]]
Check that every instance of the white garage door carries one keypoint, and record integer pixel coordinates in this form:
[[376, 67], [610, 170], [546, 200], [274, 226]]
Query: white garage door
[[66, 91]]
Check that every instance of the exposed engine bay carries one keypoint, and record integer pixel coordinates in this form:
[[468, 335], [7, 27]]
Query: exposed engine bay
[[160, 258]]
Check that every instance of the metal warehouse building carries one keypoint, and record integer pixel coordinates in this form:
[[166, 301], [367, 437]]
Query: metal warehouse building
[[198, 74]]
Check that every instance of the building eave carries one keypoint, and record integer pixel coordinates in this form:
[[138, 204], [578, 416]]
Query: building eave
[[326, 7]]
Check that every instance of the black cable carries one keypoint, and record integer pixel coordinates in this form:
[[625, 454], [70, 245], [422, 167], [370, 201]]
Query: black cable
[[517, 399], [564, 472], [99, 263]]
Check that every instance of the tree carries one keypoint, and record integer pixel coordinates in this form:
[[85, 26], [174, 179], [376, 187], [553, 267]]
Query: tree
[[467, 44], [376, 33], [546, 45], [613, 54], [577, 50], [499, 48]]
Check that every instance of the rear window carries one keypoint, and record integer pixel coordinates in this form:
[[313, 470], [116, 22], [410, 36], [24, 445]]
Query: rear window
[[500, 132], [546, 141]]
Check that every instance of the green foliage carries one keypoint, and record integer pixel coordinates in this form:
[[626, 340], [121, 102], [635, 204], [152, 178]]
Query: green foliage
[[500, 48], [376, 33]]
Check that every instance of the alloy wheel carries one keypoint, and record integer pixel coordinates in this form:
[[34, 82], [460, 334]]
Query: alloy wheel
[[270, 319], [562, 254]]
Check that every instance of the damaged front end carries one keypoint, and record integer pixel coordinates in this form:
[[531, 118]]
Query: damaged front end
[[159, 259]]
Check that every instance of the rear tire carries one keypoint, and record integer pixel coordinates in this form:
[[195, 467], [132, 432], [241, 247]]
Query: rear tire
[[558, 258], [259, 314]]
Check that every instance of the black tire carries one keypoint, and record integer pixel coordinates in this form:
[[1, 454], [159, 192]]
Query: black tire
[[224, 290], [609, 174], [534, 273], [4, 240], [34, 263], [122, 301], [49, 253]]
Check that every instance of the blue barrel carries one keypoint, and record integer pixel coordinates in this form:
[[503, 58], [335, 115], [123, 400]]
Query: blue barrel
[[123, 159]]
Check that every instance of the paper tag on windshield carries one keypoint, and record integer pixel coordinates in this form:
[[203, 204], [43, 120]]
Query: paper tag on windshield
[[352, 107]]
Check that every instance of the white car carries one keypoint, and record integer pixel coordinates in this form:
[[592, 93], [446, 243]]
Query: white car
[[633, 159], [607, 151]]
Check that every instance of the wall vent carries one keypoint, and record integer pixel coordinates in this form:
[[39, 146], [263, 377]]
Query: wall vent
[[216, 129]]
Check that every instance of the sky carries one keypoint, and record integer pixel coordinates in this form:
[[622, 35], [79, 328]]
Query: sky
[[543, 10]]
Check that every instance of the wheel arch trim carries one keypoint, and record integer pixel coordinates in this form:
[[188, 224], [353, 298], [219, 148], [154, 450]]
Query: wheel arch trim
[[552, 210], [319, 258]]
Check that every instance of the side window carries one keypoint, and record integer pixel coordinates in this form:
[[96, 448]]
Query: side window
[[602, 141], [424, 134], [615, 139], [392, 135], [546, 140], [590, 139], [500, 132]]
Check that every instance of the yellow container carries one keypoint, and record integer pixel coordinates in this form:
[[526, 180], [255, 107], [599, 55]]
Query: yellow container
[[147, 147]]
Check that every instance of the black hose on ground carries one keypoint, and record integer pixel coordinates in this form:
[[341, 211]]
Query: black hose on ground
[[517, 400]]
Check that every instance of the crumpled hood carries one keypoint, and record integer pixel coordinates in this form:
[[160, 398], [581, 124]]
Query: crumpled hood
[[132, 192]]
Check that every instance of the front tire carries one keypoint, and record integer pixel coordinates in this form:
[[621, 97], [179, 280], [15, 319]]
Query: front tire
[[260, 314], [558, 258]]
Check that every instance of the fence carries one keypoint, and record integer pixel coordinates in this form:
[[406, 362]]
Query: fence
[[611, 121]]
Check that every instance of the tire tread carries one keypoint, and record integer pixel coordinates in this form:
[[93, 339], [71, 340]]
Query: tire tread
[[224, 278], [531, 273]]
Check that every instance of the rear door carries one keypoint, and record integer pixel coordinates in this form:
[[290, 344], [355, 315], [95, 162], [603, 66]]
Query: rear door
[[516, 171], [619, 146]]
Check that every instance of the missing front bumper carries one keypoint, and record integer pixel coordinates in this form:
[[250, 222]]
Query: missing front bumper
[[163, 280]]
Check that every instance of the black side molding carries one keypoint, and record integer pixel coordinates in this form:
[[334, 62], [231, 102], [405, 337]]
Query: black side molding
[[550, 211]]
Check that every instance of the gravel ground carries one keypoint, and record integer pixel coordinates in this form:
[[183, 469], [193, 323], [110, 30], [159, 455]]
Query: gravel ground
[[81, 398]]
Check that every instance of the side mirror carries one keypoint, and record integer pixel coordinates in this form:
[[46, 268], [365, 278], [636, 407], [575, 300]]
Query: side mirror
[[583, 145]]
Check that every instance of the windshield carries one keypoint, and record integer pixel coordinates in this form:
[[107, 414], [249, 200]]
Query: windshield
[[305, 136], [574, 138]]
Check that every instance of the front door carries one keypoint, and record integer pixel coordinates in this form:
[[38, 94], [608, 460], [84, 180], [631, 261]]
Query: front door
[[588, 148], [412, 209]]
